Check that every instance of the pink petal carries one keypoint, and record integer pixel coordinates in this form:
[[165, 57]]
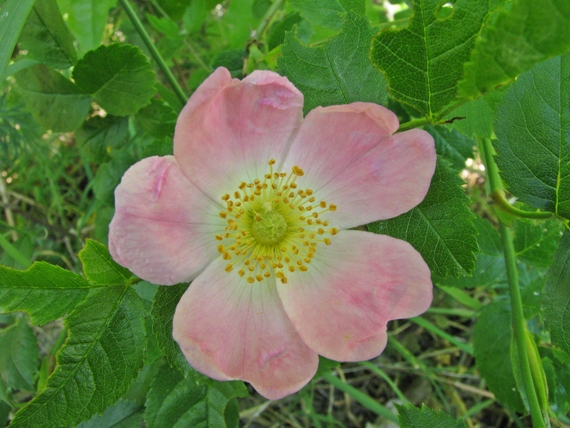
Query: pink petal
[[230, 129], [230, 329], [164, 228], [353, 287], [350, 160]]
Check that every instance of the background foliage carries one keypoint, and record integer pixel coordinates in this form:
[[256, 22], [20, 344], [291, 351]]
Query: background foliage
[[91, 87]]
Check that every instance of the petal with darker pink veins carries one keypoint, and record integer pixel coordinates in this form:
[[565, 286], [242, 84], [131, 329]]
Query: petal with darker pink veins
[[164, 228], [230, 329], [230, 129], [352, 160], [352, 288]]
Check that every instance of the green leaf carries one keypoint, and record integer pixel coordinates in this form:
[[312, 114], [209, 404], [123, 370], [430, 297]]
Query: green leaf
[[410, 416], [339, 72], [276, 32], [423, 62], [492, 343], [98, 135], [535, 241], [124, 414], [162, 313], [514, 40], [109, 176], [476, 118], [97, 363], [13, 15], [327, 13], [239, 21], [158, 119], [452, 145], [46, 37], [54, 101], [556, 296], [490, 263], [19, 359], [87, 20], [99, 267], [532, 126], [440, 228], [325, 366], [174, 401], [119, 77], [196, 14], [45, 291]]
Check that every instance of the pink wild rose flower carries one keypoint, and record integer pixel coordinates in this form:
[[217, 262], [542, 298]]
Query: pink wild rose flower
[[255, 209]]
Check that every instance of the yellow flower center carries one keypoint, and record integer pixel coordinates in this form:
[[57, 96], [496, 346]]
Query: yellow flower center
[[273, 227]]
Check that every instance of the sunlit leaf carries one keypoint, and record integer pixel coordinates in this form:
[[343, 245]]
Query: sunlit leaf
[[99, 266]]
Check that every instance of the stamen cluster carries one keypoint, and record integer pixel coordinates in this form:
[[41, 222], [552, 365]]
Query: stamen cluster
[[273, 227]]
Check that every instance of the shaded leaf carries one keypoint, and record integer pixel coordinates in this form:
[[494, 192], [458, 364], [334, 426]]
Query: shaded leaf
[[276, 32], [514, 40], [174, 401], [556, 296], [423, 62], [158, 119], [339, 72], [109, 176], [410, 416], [440, 228], [99, 266], [452, 145], [535, 241], [44, 291], [54, 101], [46, 38], [19, 359], [492, 344], [327, 13], [99, 134], [124, 414], [97, 363], [119, 77], [533, 124]]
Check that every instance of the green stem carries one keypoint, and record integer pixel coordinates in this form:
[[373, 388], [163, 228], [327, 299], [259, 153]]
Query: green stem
[[385, 376], [267, 19], [414, 123], [518, 320], [430, 327], [154, 52], [361, 397], [501, 202]]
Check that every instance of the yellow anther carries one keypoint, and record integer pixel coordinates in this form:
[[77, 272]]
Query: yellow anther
[[219, 237], [242, 185], [220, 248], [267, 274], [250, 279], [303, 268], [320, 231], [309, 192], [271, 162], [334, 231], [323, 204], [291, 268], [226, 256], [229, 267], [259, 278], [312, 199], [225, 197], [223, 214], [293, 185], [307, 260], [327, 241], [241, 272], [315, 215], [298, 171], [332, 207]]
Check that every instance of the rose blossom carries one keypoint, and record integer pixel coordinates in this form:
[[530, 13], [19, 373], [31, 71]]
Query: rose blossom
[[254, 208]]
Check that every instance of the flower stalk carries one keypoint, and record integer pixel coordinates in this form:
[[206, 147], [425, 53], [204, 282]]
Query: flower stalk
[[518, 320], [154, 51]]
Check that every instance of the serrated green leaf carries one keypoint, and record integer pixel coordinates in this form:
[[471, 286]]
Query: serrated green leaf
[[513, 41], [162, 313], [46, 38], [556, 296], [119, 77], [87, 20], [124, 414], [100, 358], [535, 241], [99, 267], [339, 72], [54, 101], [492, 342], [476, 118], [423, 62], [99, 134], [44, 291], [19, 359], [327, 13], [490, 263], [13, 15], [452, 145], [440, 228], [158, 119], [174, 401], [532, 128], [410, 416], [276, 32]]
